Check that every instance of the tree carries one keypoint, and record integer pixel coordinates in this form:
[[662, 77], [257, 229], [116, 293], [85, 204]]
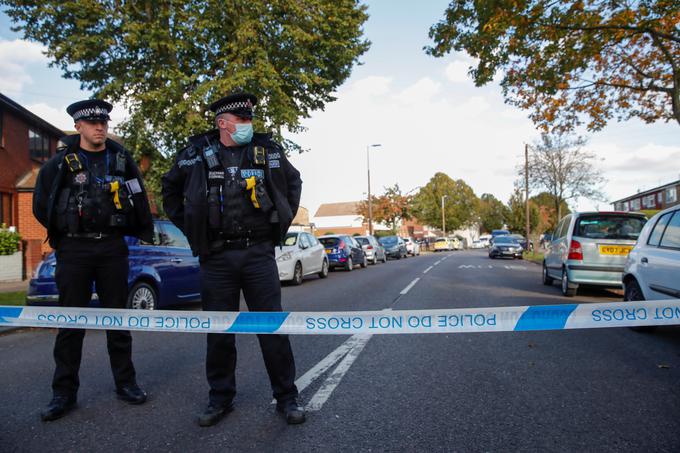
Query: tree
[[516, 214], [559, 165], [460, 206], [167, 60], [492, 213], [390, 208], [574, 58], [547, 213]]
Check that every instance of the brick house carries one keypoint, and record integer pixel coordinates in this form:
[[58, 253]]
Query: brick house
[[658, 198], [26, 142]]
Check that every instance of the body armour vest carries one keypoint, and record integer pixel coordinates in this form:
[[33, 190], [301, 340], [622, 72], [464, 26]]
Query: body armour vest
[[235, 189], [94, 199]]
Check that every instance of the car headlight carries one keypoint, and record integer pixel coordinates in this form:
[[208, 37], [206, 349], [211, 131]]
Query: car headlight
[[285, 257]]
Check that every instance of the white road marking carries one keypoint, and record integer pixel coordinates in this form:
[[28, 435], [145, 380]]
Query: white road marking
[[511, 267], [410, 285], [437, 262], [322, 395], [427, 270], [331, 359]]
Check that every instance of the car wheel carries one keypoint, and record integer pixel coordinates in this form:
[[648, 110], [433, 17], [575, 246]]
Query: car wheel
[[349, 265], [632, 293], [142, 296], [297, 274], [364, 263], [547, 280], [324, 269], [384, 260], [568, 289], [375, 260]]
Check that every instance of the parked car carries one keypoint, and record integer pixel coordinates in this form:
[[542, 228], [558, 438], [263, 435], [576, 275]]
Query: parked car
[[412, 247], [484, 239], [495, 234], [394, 247], [476, 244], [653, 265], [522, 241], [590, 248], [343, 251], [506, 245], [372, 248], [444, 244], [162, 273], [301, 254]]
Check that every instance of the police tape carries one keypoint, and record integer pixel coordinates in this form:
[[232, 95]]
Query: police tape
[[494, 319]]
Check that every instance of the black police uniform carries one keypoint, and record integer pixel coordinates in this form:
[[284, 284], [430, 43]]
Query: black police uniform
[[210, 194], [83, 201]]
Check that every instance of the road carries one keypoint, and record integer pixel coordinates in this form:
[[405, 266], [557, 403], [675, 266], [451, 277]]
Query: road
[[580, 390]]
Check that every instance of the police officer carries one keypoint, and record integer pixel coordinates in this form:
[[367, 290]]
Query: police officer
[[234, 194], [88, 196]]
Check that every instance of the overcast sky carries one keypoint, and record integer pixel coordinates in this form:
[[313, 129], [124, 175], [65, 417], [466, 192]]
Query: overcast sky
[[425, 112]]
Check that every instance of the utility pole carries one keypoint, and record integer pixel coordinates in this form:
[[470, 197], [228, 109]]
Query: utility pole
[[370, 202], [443, 216], [526, 191]]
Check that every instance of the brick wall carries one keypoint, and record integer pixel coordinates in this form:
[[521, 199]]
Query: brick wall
[[27, 225]]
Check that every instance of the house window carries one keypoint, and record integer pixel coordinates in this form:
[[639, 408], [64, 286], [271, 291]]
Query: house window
[[659, 198], [635, 204], [38, 145], [2, 129], [671, 195], [626, 206], [648, 201], [6, 209]]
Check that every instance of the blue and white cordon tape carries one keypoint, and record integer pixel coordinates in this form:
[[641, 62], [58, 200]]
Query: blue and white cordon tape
[[496, 319]]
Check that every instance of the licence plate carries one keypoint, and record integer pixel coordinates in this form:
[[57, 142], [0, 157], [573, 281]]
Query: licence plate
[[329, 251], [615, 249]]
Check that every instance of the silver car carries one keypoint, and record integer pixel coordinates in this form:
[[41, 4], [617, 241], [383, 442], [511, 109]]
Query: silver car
[[590, 248], [653, 267], [372, 248]]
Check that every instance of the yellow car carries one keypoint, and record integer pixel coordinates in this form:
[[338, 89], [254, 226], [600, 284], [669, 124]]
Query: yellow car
[[442, 244]]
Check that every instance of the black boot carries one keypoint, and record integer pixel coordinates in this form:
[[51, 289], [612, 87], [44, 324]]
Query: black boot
[[294, 412], [58, 407], [214, 413], [131, 394]]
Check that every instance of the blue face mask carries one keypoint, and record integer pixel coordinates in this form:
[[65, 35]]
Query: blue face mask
[[243, 133]]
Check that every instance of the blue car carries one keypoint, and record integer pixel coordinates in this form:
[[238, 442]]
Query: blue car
[[343, 251], [162, 274]]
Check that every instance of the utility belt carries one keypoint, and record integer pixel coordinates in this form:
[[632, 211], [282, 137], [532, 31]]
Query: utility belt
[[98, 235], [237, 243]]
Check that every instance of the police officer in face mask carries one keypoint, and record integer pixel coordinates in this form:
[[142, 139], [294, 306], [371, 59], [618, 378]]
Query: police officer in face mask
[[234, 195], [88, 196]]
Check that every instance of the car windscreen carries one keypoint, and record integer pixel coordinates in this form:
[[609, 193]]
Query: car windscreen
[[291, 239], [505, 240], [609, 227], [440, 240], [362, 241], [329, 242], [388, 240]]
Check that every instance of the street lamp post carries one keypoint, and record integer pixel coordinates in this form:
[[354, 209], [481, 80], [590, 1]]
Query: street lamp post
[[370, 203], [443, 217]]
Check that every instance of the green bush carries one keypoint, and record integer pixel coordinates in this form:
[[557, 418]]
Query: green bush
[[9, 241]]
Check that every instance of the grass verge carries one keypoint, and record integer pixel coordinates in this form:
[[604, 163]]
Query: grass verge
[[14, 298], [536, 257]]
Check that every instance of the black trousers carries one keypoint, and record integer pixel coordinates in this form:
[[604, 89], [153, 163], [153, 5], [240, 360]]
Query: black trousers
[[223, 275], [80, 262]]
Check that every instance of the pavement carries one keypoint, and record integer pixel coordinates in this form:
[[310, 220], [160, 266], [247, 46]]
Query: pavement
[[11, 287], [577, 390]]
